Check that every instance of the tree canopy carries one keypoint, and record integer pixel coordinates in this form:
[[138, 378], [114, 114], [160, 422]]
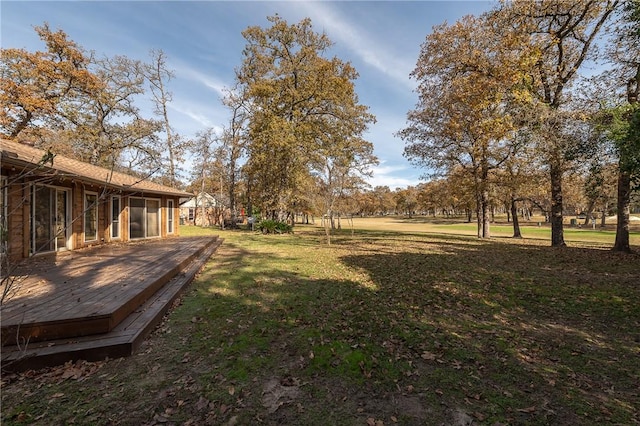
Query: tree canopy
[[304, 114]]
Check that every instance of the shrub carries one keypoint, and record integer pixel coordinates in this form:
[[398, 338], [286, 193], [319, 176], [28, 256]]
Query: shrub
[[270, 226]]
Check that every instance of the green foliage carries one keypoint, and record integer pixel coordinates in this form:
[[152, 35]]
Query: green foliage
[[305, 113], [270, 226], [622, 125], [632, 145]]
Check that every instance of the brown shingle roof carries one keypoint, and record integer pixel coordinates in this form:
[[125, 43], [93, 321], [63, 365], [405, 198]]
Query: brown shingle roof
[[27, 156]]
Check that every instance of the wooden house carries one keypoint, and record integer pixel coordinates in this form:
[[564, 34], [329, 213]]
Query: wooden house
[[51, 203]]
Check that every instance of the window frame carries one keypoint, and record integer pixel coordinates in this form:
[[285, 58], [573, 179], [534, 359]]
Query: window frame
[[84, 216], [115, 220], [171, 217]]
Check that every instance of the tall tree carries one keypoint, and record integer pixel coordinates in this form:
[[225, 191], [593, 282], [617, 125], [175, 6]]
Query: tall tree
[[159, 75], [204, 170], [108, 128], [37, 89], [624, 123], [302, 105], [563, 32], [69, 101], [234, 142], [467, 73], [339, 168]]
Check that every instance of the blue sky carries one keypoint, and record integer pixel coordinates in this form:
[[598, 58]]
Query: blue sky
[[203, 44]]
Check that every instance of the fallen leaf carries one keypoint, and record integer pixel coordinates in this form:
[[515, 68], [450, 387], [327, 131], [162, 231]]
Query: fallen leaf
[[428, 356], [527, 410], [202, 403], [71, 373]]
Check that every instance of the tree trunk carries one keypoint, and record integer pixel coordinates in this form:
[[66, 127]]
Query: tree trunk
[[21, 125], [516, 223], [624, 201], [328, 224], [479, 220], [486, 232], [557, 227], [589, 212]]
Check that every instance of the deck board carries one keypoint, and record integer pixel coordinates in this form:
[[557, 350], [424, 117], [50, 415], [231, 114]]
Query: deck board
[[92, 291], [122, 340]]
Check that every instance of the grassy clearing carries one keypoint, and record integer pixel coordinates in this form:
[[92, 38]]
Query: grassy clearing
[[533, 229], [407, 327]]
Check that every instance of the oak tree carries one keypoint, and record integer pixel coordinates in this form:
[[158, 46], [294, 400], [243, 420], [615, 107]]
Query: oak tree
[[39, 89], [563, 33], [469, 75], [303, 110], [624, 117]]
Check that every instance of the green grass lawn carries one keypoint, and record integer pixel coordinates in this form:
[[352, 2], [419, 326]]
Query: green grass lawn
[[533, 229], [407, 325]]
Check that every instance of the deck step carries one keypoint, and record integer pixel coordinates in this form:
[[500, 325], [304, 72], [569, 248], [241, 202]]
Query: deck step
[[123, 340], [72, 309]]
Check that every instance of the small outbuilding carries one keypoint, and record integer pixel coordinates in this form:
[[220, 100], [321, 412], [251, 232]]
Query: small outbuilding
[[201, 210]]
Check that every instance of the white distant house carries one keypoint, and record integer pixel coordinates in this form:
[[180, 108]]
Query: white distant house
[[191, 210]]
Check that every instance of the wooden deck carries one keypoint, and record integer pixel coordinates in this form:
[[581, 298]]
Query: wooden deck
[[95, 303]]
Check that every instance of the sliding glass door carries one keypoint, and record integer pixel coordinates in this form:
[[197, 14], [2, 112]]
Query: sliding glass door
[[50, 219], [144, 218]]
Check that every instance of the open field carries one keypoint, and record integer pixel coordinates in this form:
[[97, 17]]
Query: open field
[[398, 322], [533, 229]]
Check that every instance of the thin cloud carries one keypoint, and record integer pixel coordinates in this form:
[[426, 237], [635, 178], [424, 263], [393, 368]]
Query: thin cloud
[[195, 114], [209, 82], [363, 43]]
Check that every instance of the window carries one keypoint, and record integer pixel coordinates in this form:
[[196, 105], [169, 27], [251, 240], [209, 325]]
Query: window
[[169, 216], [192, 214], [144, 217], [90, 216], [50, 221], [115, 217], [136, 217], [153, 218]]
